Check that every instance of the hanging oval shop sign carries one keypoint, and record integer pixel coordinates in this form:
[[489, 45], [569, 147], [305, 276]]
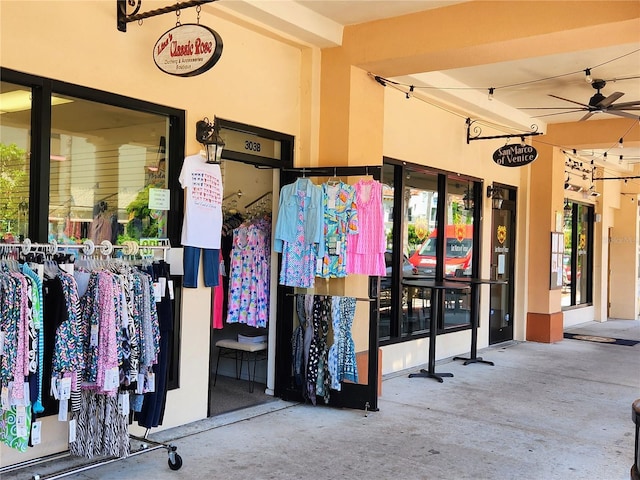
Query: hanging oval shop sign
[[515, 155], [187, 50]]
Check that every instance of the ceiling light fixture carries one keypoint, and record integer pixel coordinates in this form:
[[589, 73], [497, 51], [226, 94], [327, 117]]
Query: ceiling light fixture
[[588, 78], [621, 143], [490, 97]]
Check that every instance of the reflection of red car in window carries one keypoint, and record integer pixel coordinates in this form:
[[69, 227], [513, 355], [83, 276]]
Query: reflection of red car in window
[[566, 271], [459, 244]]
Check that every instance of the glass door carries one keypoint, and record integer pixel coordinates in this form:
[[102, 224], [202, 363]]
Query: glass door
[[502, 267]]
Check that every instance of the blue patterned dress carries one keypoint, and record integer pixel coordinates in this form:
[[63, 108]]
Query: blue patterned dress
[[299, 257], [340, 220]]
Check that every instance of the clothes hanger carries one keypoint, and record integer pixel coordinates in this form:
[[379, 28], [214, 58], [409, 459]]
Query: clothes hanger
[[335, 180]]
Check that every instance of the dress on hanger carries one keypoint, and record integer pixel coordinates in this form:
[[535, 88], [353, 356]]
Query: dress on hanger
[[340, 221], [365, 250], [298, 232]]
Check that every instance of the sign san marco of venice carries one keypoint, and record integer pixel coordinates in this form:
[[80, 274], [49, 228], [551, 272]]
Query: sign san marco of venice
[[515, 155], [187, 50]]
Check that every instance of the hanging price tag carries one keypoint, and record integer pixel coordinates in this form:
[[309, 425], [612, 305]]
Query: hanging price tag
[[123, 404], [157, 293], [36, 433], [94, 336], [5, 398], [163, 286], [72, 431], [21, 421], [54, 388], [111, 379], [150, 384], [140, 383], [63, 409], [64, 388]]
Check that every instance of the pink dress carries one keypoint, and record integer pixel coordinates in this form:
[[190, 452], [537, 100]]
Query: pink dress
[[365, 250]]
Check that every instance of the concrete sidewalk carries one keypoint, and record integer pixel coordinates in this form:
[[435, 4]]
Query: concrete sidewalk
[[544, 411]]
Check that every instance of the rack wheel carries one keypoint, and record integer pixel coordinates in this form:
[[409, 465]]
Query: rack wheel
[[176, 462]]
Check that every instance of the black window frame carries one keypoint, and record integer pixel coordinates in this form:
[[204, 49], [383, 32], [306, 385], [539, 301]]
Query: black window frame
[[590, 219], [399, 176], [42, 89]]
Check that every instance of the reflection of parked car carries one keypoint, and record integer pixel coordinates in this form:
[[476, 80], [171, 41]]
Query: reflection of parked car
[[566, 271], [407, 269], [457, 256]]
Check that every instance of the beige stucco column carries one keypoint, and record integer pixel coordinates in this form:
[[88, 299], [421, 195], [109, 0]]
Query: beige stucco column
[[351, 113], [615, 265], [623, 260], [544, 317]]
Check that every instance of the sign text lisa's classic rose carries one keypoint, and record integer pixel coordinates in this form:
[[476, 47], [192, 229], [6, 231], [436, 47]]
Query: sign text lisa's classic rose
[[187, 50]]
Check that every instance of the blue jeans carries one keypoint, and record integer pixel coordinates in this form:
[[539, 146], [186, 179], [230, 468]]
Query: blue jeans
[[210, 265]]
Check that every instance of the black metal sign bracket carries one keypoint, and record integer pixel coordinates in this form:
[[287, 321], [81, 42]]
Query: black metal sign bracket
[[477, 131], [135, 5]]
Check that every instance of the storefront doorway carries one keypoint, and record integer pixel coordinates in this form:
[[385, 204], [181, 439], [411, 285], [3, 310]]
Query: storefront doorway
[[243, 306], [502, 266]]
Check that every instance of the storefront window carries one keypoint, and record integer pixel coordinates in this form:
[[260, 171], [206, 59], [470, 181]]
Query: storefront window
[[83, 168], [15, 140], [577, 261], [420, 203], [412, 214], [458, 252], [104, 161]]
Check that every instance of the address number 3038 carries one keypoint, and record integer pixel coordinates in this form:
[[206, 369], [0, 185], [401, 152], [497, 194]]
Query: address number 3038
[[252, 146]]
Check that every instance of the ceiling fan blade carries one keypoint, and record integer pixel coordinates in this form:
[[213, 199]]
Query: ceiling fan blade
[[604, 103], [619, 113], [588, 115], [558, 113], [624, 105], [550, 108], [571, 101]]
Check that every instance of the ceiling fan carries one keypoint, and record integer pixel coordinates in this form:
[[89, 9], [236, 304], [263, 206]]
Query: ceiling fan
[[597, 104]]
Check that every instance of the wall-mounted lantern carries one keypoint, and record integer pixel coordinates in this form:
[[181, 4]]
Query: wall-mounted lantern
[[207, 135], [495, 194]]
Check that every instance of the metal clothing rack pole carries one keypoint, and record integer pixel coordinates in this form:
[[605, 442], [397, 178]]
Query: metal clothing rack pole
[[174, 461], [261, 197], [359, 299]]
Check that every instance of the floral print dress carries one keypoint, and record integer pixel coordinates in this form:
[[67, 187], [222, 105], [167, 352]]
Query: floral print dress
[[299, 257]]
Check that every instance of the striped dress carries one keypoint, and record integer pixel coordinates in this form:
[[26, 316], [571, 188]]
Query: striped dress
[[365, 250]]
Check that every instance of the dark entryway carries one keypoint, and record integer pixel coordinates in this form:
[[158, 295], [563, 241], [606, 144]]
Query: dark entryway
[[503, 241]]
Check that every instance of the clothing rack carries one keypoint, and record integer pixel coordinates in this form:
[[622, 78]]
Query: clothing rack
[[261, 197], [358, 299], [88, 248], [340, 171], [146, 445]]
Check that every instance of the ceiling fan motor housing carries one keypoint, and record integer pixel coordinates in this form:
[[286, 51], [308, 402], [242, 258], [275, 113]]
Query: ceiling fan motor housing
[[598, 97]]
